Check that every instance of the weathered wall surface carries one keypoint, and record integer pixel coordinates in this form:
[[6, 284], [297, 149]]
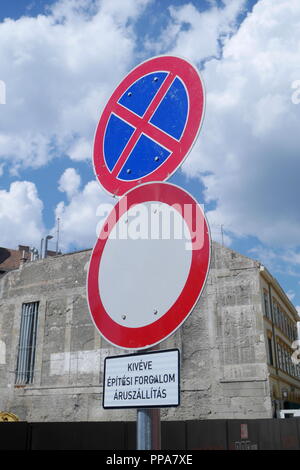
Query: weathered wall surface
[[224, 365]]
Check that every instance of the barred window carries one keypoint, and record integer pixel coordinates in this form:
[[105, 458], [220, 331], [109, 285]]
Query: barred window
[[270, 351], [287, 358], [27, 342], [281, 319], [285, 326], [284, 352]]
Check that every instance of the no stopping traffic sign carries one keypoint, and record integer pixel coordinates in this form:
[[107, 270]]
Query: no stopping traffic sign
[[149, 124]]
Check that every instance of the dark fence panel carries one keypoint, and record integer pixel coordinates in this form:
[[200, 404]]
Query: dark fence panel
[[14, 436], [130, 435], [289, 433], [80, 436], [177, 435], [269, 434], [173, 435], [207, 435]]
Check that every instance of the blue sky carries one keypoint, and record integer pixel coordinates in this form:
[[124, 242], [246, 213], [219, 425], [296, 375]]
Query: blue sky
[[60, 61]]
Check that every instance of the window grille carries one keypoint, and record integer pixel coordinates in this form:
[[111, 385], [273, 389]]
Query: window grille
[[27, 342]]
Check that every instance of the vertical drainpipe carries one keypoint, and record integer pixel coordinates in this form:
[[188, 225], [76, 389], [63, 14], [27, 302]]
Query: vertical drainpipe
[[274, 344], [273, 328], [20, 345], [31, 358], [23, 349]]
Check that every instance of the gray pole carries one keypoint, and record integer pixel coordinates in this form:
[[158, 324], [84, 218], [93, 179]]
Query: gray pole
[[41, 252], [148, 429], [148, 434]]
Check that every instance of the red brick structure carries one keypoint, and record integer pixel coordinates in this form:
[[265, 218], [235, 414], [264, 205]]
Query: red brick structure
[[11, 259]]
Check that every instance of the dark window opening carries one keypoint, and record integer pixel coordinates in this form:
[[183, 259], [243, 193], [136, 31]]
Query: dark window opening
[[270, 351]]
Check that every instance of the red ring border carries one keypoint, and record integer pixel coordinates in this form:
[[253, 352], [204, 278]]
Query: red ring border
[[149, 335]]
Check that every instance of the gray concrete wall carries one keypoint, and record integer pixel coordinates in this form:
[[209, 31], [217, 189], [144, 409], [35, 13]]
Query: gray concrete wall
[[224, 366]]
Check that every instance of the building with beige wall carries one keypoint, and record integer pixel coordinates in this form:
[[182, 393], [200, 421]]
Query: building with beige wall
[[280, 323]]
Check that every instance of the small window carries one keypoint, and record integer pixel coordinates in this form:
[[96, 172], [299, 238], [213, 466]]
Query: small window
[[27, 342], [284, 360], [287, 364], [289, 361], [281, 319], [270, 351]]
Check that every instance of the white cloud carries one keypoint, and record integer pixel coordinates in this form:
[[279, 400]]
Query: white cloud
[[265, 255], [247, 153], [194, 34], [59, 70], [280, 260], [291, 295], [80, 150], [20, 215], [292, 257], [78, 218], [69, 182]]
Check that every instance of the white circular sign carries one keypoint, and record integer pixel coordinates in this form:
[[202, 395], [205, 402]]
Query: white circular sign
[[141, 276]]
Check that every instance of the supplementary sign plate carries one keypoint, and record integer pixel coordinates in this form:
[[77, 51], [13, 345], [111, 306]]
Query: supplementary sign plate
[[142, 380]]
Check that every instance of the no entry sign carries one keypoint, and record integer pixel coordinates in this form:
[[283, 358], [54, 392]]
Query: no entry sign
[[149, 265], [149, 124]]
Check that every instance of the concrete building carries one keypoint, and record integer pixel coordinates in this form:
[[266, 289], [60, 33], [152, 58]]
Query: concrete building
[[235, 346]]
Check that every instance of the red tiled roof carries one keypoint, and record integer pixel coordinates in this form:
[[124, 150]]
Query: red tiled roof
[[11, 259]]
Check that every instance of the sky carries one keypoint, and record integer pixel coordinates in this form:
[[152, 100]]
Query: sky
[[61, 61]]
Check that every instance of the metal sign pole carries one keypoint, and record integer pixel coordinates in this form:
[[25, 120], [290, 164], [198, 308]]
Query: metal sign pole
[[148, 428]]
